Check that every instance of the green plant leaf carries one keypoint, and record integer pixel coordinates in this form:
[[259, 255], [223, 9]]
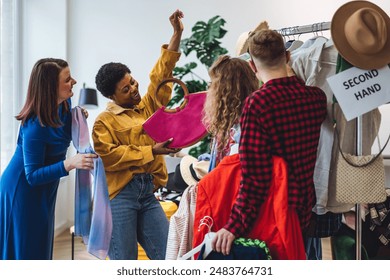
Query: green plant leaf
[[208, 54], [216, 24], [210, 31], [180, 72], [202, 147]]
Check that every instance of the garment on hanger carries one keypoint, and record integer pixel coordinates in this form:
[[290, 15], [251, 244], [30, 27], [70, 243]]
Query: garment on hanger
[[203, 248], [311, 48], [234, 140], [288, 44], [93, 220], [277, 224], [314, 65], [181, 225], [295, 45]]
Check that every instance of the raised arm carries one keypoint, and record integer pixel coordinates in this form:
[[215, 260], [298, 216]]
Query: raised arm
[[177, 25]]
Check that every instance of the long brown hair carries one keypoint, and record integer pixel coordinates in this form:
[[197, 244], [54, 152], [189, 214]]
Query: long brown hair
[[42, 93], [232, 80]]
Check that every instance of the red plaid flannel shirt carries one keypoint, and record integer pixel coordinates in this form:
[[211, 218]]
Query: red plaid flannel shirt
[[282, 118]]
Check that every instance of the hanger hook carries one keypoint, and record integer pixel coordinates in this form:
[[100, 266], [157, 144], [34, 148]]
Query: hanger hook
[[296, 31], [208, 221], [314, 29]]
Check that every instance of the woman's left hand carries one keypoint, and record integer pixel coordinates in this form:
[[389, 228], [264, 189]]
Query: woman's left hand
[[85, 112]]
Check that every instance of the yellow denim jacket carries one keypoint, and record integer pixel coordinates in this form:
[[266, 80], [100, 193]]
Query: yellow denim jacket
[[118, 136]]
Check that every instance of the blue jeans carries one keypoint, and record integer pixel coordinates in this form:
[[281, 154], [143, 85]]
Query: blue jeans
[[138, 217]]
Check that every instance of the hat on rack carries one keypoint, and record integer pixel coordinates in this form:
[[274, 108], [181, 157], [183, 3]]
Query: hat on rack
[[242, 42], [361, 34], [187, 173]]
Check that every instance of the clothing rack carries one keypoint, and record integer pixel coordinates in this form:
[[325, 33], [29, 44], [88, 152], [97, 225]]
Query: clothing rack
[[311, 28], [315, 28]]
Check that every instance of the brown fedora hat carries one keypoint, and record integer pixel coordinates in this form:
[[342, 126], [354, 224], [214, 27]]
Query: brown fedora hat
[[361, 34]]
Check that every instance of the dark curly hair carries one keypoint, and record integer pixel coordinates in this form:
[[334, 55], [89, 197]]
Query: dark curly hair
[[108, 76]]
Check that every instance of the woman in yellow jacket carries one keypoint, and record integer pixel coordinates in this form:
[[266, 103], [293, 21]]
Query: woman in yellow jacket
[[133, 162]]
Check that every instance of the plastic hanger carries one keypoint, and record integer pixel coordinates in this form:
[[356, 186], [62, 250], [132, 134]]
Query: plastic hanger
[[208, 249], [208, 238]]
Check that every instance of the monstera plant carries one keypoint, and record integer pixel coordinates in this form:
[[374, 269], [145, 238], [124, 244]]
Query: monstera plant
[[205, 42]]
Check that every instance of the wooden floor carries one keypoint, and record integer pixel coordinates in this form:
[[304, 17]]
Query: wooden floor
[[63, 248], [326, 250]]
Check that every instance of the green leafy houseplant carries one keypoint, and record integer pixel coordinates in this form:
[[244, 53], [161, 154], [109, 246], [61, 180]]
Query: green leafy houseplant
[[205, 42]]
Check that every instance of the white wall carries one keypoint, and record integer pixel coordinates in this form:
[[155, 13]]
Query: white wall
[[44, 34], [89, 33], [9, 72]]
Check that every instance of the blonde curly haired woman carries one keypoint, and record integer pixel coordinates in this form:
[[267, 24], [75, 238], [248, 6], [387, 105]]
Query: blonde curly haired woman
[[231, 82]]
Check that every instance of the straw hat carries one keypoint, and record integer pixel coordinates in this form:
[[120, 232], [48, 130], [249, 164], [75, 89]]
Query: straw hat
[[188, 172], [242, 42], [193, 170], [361, 33]]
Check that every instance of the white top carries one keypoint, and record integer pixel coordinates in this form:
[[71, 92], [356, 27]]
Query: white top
[[314, 62]]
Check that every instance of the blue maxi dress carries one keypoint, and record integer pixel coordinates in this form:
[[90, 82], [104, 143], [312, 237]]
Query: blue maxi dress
[[28, 189]]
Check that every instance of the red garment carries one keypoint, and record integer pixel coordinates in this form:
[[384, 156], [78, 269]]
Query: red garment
[[282, 118], [277, 223]]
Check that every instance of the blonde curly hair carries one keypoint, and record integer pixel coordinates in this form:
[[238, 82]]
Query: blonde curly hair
[[232, 81]]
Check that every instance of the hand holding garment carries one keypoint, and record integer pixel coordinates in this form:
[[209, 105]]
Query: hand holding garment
[[93, 220]]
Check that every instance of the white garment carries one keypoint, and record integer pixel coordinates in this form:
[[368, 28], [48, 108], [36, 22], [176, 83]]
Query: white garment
[[181, 225], [306, 50], [314, 62]]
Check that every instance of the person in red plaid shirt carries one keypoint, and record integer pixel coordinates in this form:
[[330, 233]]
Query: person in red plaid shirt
[[283, 118]]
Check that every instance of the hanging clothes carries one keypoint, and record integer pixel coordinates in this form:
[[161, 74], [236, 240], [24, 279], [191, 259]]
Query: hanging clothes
[[181, 223], [93, 219], [314, 64], [277, 224], [347, 132]]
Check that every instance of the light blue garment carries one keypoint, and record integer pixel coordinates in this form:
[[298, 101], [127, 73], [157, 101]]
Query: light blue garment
[[236, 130], [213, 155], [205, 156], [235, 134], [138, 216], [93, 224]]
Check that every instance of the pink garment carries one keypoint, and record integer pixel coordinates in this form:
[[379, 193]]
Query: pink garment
[[277, 224]]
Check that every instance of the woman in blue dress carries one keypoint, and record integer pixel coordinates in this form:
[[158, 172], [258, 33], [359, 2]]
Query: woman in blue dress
[[28, 186]]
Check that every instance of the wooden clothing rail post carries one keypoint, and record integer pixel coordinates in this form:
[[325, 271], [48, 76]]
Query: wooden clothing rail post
[[314, 28]]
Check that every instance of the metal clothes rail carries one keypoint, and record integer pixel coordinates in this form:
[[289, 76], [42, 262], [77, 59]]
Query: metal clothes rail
[[311, 28]]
